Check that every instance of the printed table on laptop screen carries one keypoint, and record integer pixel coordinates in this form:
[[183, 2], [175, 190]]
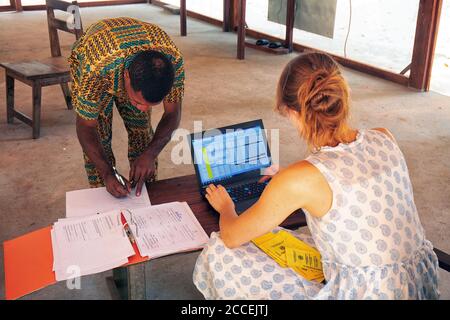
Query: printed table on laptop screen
[[220, 156]]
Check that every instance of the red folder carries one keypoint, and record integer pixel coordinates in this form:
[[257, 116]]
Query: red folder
[[29, 262]]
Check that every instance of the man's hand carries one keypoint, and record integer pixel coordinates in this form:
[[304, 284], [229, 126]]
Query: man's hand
[[142, 169], [90, 142], [219, 199], [115, 188]]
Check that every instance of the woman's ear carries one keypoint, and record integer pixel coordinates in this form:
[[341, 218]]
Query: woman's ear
[[292, 113], [294, 117]]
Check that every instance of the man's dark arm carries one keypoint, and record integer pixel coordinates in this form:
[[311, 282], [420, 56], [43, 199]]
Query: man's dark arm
[[90, 142], [143, 167], [166, 126]]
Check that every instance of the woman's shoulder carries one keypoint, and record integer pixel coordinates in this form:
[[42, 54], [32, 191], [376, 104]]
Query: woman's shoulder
[[301, 174], [302, 167], [386, 132], [306, 185]]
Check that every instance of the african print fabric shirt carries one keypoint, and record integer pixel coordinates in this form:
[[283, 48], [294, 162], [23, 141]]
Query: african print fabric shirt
[[99, 58]]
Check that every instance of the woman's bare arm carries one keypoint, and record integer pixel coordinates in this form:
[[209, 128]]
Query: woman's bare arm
[[298, 186]]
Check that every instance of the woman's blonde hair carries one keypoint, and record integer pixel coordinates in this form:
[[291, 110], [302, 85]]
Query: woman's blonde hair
[[312, 85]]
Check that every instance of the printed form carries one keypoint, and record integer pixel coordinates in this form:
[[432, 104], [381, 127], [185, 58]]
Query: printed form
[[165, 229], [89, 245]]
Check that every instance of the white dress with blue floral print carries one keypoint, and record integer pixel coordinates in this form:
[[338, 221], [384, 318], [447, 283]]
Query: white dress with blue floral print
[[371, 241]]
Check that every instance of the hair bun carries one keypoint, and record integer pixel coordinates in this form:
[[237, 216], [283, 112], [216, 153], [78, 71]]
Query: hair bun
[[322, 97], [318, 102], [312, 86]]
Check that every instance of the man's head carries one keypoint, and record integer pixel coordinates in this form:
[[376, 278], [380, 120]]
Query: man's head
[[148, 79]]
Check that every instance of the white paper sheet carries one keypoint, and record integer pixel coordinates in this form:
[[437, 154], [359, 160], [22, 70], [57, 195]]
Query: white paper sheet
[[165, 229], [89, 245], [86, 202]]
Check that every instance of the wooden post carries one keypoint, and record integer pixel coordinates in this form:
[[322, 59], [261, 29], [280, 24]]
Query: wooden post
[[425, 44], [9, 98], [226, 15], [234, 14], [17, 5], [241, 30], [290, 16], [183, 23]]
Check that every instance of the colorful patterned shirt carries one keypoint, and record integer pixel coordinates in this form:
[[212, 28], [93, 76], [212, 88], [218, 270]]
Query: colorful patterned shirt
[[99, 58]]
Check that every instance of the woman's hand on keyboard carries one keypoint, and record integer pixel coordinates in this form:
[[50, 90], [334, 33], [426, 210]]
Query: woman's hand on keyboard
[[219, 199]]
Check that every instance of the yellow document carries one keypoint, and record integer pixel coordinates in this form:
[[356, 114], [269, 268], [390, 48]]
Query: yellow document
[[303, 258], [305, 263], [288, 251], [293, 242], [273, 245], [260, 240], [275, 248]]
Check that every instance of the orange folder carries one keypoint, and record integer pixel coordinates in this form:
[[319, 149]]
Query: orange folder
[[29, 262]]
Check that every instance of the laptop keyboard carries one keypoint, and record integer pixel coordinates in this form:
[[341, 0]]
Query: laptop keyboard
[[246, 191]]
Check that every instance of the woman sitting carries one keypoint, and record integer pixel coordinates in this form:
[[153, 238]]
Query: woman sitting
[[358, 200]]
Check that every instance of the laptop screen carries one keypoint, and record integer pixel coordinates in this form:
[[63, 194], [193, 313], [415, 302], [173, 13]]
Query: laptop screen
[[226, 152]]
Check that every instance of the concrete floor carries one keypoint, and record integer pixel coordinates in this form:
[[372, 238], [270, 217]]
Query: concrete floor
[[220, 90]]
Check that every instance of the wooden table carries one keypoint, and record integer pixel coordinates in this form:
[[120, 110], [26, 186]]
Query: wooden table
[[130, 280]]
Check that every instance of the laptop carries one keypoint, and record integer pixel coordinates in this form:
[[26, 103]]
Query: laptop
[[233, 157]]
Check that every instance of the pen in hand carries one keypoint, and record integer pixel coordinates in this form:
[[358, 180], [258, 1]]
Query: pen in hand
[[119, 178]]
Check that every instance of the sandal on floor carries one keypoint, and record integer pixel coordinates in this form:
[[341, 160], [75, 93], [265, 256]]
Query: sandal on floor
[[275, 45], [262, 42]]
